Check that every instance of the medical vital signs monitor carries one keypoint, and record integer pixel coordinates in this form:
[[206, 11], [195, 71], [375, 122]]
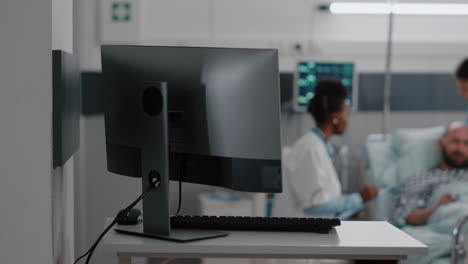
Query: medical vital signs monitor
[[308, 73]]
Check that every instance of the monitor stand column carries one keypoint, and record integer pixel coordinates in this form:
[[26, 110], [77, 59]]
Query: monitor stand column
[[155, 161]]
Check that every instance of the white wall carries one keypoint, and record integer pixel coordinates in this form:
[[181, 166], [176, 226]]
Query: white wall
[[423, 43], [63, 215], [62, 25], [36, 200], [25, 133], [434, 43], [86, 34]]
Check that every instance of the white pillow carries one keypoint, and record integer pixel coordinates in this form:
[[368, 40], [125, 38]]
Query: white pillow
[[420, 157], [380, 157], [404, 138], [417, 151]]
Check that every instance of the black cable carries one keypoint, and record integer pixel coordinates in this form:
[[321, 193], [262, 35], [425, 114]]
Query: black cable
[[181, 175], [82, 256], [119, 216], [180, 197]]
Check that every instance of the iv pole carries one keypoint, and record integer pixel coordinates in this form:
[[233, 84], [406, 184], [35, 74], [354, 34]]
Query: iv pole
[[388, 77]]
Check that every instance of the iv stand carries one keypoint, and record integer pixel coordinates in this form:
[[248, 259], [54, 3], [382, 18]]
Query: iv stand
[[388, 77]]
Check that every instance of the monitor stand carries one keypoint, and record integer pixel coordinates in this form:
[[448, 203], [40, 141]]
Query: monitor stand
[[176, 235], [155, 161]]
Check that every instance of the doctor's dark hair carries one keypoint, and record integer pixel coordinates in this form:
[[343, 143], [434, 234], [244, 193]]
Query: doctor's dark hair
[[462, 70], [329, 98]]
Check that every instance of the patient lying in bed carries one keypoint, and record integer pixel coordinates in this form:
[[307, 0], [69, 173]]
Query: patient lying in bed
[[412, 205], [430, 203]]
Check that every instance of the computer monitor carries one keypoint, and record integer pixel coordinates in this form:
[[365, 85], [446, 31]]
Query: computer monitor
[[309, 73], [201, 115]]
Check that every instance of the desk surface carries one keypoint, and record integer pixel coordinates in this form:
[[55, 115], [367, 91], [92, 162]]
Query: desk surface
[[351, 240]]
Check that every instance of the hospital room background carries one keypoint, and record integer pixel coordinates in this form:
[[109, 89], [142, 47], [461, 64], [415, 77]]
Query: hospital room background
[[425, 51]]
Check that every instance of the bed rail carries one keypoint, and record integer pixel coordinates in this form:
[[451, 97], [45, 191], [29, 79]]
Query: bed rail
[[458, 250]]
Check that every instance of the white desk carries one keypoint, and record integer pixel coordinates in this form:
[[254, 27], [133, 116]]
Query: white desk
[[351, 240]]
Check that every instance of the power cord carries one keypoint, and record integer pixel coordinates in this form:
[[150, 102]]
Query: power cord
[[155, 181], [181, 175], [180, 197]]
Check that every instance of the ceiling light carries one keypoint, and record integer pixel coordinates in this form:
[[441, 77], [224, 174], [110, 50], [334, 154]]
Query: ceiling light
[[399, 8]]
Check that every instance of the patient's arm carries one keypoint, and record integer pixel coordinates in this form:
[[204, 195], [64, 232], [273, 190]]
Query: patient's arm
[[420, 216], [414, 196]]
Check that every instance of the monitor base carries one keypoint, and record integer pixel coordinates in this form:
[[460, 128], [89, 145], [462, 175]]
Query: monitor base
[[176, 235]]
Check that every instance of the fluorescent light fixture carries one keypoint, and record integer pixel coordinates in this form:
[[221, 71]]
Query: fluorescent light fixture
[[360, 8], [430, 9], [399, 8]]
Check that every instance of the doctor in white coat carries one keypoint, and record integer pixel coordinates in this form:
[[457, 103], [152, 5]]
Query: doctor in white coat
[[311, 187]]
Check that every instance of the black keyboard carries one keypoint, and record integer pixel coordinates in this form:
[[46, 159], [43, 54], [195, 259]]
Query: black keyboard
[[286, 224]]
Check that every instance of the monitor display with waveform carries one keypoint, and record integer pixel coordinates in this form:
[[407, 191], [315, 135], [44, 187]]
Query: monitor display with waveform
[[309, 73]]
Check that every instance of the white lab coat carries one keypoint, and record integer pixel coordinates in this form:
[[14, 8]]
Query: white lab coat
[[309, 178]]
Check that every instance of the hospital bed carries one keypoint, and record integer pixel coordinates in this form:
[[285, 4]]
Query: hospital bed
[[392, 159]]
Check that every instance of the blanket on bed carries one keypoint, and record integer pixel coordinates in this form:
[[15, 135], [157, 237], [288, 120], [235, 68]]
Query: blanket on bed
[[437, 233]]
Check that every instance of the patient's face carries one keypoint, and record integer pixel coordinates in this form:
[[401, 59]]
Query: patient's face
[[455, 147]]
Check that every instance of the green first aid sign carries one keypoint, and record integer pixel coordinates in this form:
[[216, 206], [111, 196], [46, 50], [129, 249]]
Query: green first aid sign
[[121, 11]]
